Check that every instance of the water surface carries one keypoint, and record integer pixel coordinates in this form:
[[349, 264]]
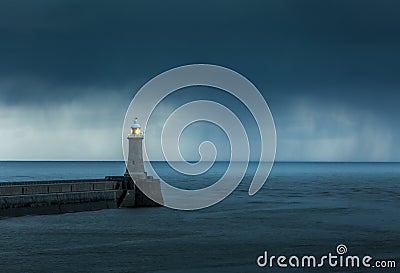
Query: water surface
[[304, 208]]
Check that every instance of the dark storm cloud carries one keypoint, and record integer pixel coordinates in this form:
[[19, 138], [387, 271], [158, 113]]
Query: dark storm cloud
[[279, 44], [319, 54]]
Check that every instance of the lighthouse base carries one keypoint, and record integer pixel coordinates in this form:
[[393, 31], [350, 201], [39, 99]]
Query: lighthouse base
[[133, 191]]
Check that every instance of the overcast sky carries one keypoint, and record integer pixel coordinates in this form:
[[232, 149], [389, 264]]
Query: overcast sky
[[329, 71]]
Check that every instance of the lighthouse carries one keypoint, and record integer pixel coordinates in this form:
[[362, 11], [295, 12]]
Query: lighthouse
[[140, 189], [135, 154]]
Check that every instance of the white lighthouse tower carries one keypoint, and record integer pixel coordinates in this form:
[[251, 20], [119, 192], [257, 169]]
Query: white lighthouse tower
[[141, 190], [135, 155]]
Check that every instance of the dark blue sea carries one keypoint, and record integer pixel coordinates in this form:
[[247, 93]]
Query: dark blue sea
[[303, 209]]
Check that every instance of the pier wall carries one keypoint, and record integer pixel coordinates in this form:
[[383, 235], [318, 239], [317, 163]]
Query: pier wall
[[44, 187], [60, 196]]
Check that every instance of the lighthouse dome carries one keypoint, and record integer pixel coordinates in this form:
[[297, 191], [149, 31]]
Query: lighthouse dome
[[135, 124], [135, 130]]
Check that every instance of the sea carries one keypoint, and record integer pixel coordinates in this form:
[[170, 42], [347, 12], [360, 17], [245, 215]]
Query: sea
[[303, 209]]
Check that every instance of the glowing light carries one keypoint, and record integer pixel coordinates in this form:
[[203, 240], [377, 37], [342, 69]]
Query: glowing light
[[136, 131]]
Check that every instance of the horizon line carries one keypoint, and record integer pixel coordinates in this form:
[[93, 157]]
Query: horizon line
[[194, 161]]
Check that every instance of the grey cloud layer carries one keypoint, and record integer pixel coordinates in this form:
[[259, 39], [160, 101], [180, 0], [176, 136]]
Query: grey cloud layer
[[339, 58]]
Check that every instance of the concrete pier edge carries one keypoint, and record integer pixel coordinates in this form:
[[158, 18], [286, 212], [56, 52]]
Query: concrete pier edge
[[62, 196]]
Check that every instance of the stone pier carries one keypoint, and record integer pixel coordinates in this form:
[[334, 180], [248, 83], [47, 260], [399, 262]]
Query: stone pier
[[61, 196]]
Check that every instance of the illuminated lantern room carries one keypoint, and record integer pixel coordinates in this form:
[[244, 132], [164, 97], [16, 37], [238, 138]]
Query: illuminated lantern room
[[135, 129]]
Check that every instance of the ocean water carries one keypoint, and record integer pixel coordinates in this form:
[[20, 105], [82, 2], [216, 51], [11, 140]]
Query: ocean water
[[303, 209]]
